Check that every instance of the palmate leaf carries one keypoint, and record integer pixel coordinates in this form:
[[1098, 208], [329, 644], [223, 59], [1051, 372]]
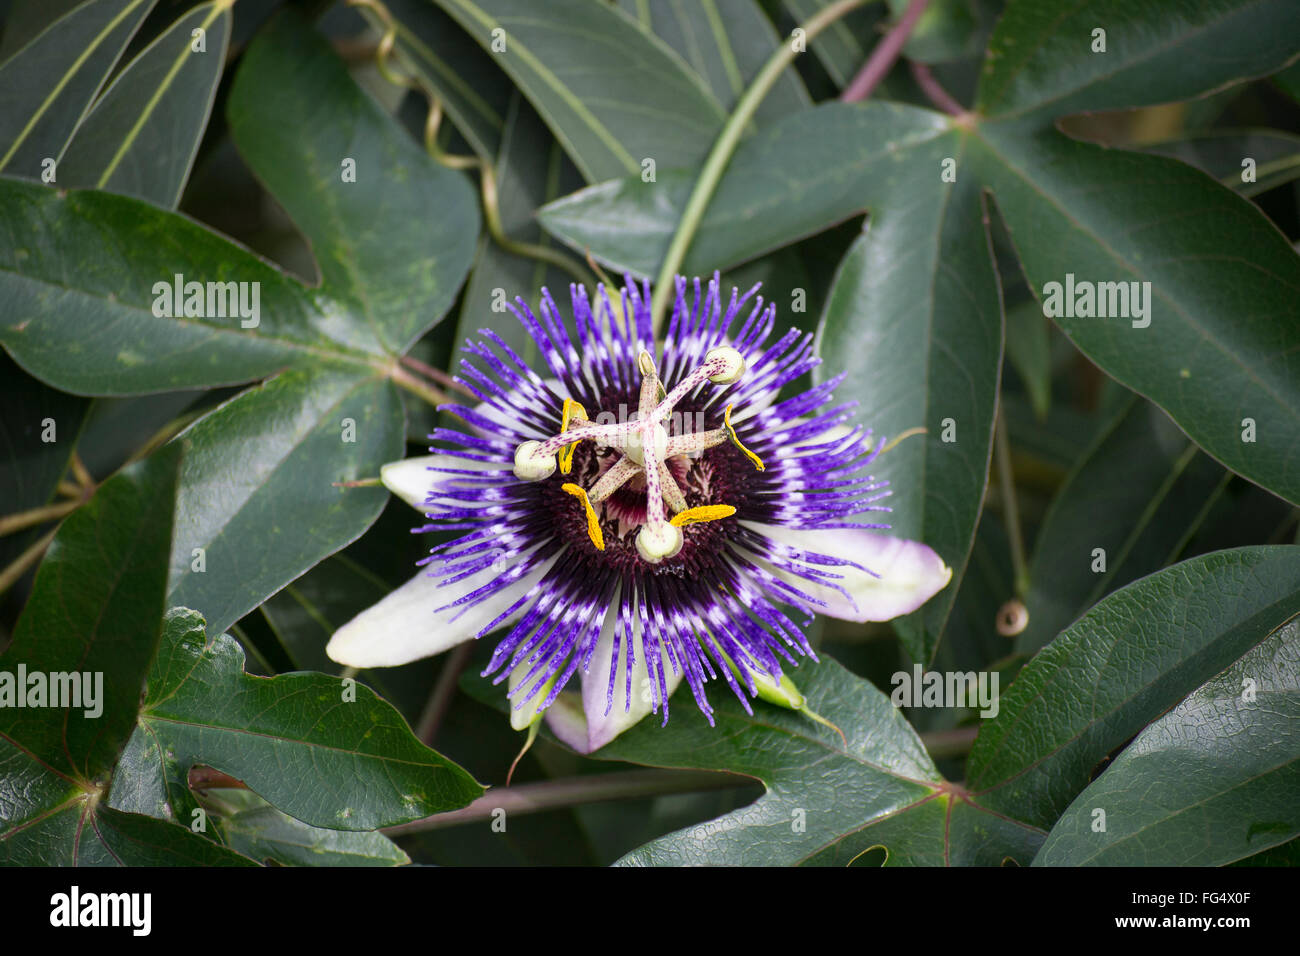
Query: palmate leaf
[[1040, 61], [795, 177], [103, 312], [825, 804], [258, 830], [46, 86], [726, 43], [329, 753], [1134, 655], [920, 291], [95, 609], [141, 136], [612, 95], [1211, 782], [246, 530], [262, 470], [393, 246], [96, 606]]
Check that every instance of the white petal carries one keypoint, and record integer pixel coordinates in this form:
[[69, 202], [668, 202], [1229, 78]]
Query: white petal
[[404, 627], [910, 572], [599, 728], [566, 720], [410, 478]]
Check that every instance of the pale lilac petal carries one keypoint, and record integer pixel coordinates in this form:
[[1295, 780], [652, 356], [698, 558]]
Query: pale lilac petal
[[906, 573]]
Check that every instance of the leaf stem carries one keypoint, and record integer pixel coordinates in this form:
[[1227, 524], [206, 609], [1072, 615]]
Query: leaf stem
[[934, 91], [436, 374], [720, 155], [885, 54], [404, 379], [1010, 511], [575, 791], [444, 689], [82, 474], [26, 519]]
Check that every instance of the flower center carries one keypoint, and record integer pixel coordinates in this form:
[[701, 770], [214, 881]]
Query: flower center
[[641, 450]]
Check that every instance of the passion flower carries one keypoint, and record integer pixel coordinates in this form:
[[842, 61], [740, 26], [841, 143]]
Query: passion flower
[[651, 512]]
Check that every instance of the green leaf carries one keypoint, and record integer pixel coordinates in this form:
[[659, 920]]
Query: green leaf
[[83, 834], [1133, 656], [1041, 62], [256, 829], [612, 95], [103, 313], [257, 489], [824, 804], [141, 136], [726, 43], [46, 87], [1211, 782], [474, 91], [1077, 209], [327, 752], [793, 178], [92, 330], [95, 609], [915, 320], [393, 246], [94, 614], [1138, 494], [531, 169]]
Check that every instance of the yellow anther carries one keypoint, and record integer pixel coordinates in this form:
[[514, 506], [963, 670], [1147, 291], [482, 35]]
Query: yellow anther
[[571, 411], [701, 514], [593, 525], [731, 433]]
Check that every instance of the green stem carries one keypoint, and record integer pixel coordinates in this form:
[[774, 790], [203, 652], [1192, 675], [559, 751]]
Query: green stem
[[720, 155], [574, 791], [1010, 511], [404, 379], [26, 519]]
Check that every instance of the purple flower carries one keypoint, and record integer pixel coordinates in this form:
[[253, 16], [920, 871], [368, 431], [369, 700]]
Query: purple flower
[[642, 516]]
